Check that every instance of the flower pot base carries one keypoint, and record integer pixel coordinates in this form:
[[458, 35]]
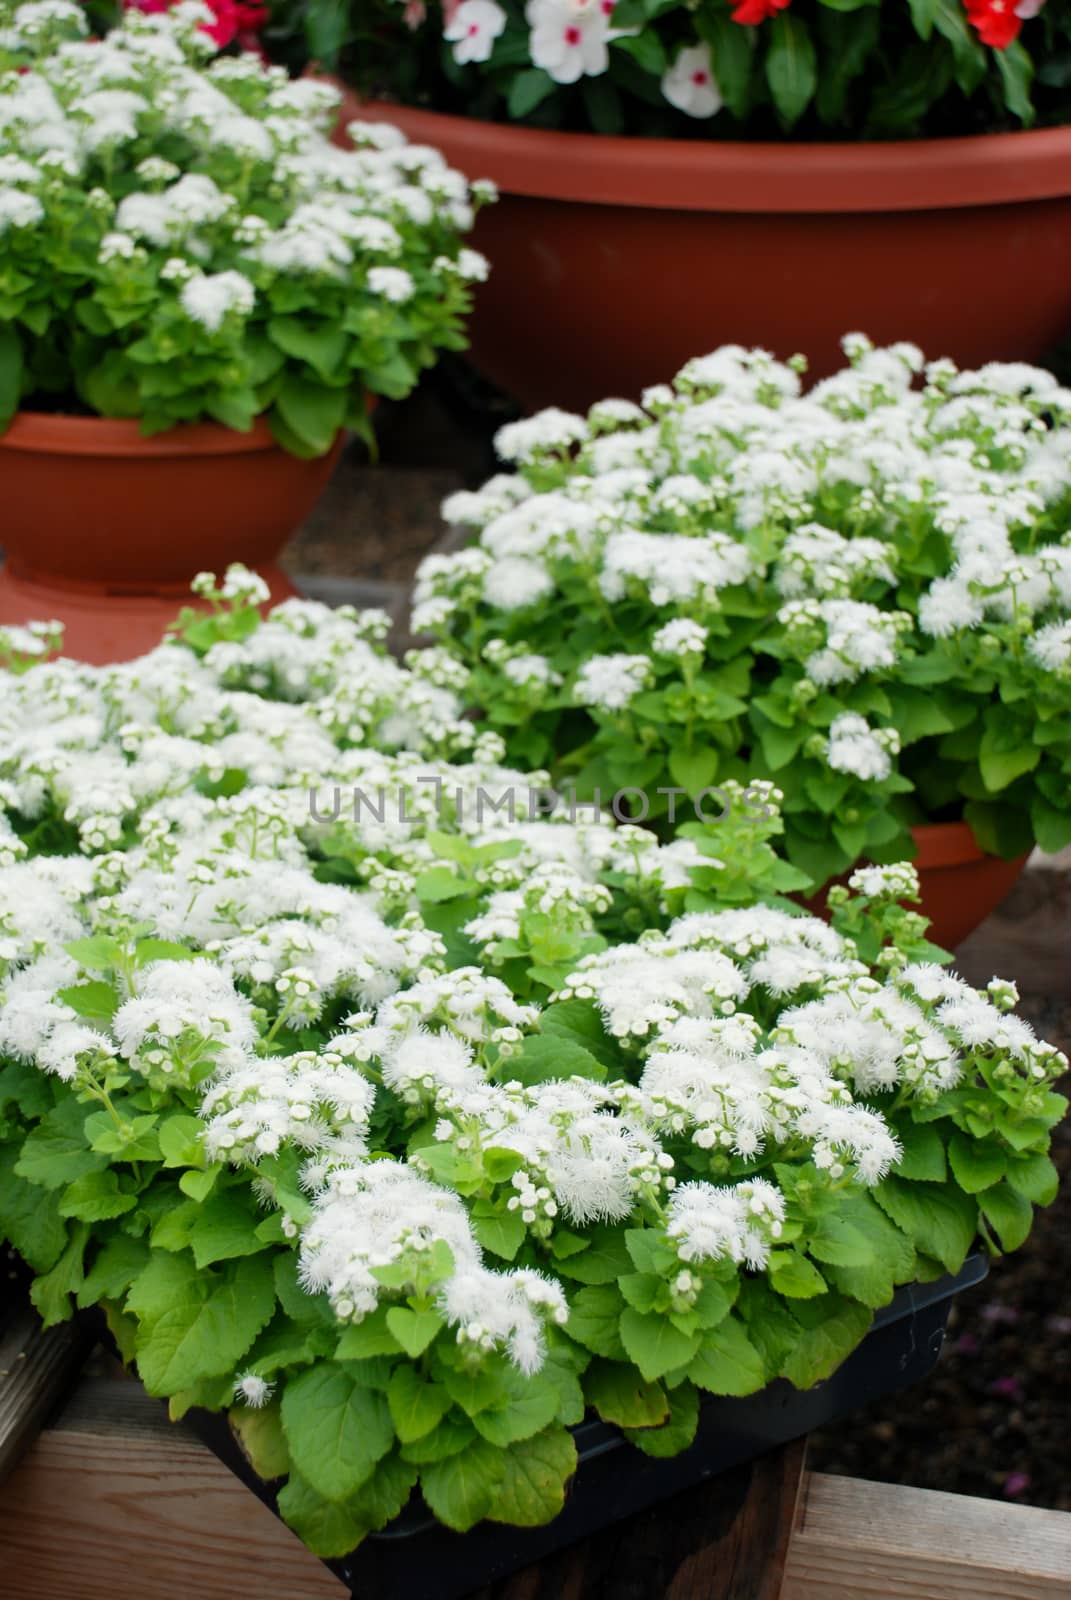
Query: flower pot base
[[103, 625], [418, 1557]]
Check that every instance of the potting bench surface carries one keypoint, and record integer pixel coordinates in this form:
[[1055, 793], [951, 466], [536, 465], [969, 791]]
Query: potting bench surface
[[111, 1502]]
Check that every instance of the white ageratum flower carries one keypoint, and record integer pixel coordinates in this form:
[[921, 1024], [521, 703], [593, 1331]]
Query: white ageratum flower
[[473, 29], [569, 38], [1051, 646], [690, 84], [19, 210], [211, 297], [610, 682], [393, 283], [680, 637], [854, 746]]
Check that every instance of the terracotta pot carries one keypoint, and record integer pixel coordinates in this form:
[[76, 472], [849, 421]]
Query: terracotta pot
[[959, 884], [104, 529], [615, 260]]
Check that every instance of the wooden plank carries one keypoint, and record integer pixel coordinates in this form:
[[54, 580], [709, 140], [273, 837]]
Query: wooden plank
[[122, 1504], [879, 1541], [114, 1502], [36, 1369]]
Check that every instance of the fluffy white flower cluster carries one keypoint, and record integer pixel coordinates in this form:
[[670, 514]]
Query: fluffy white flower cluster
[[383, 1215], [854, 746], [713, 486], [92, 124], [734, 1034]]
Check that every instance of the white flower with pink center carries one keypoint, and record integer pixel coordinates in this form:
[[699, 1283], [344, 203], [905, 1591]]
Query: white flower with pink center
[[569, 37], [690, 84], [473, 28]]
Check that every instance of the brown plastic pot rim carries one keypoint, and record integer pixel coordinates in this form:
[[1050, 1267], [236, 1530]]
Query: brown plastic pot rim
[[52, 434], [946, 844], [716, 175]]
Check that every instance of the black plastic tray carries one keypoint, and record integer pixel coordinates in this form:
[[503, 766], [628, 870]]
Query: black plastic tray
[[416, 1558]]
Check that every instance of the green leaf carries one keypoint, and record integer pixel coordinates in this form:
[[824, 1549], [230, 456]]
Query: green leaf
[[731, 50], [29, 1217], [532, 1406], [923, 1160], [621, 1396], [833, 1326], [312, 411], [502, 1233], [416, 1404], [260, 1434], [414, 1330], [96, 1196], [654, 1344], [326, 28], [727, 1361], [594, 1315], [312, 1310], [439, 884], [693, 770], [579, 1022], [97, 954], [199, 1185], [452, 1435], [146, 951], [1004, 754], [941, 1221], [336, 1430], [543, 1058], [327, 1528], [793, 1275], [51, 1293], [57, 1152], [180, 1141], [224, 1227], [1010, 1213], [894, 1256], [976, 1163], [114, 1269], [322, 347], [368, 1338], [604, 1261], [1034, 1177], [528, 90], [535, 1474], [197, 1324], [1017, 73], [97, 1002], [10, 372], [675, 1435], [835, 1241], [790, 67], [462, 1489]]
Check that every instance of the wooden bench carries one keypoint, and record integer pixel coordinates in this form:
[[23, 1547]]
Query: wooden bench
[[112, 1502]]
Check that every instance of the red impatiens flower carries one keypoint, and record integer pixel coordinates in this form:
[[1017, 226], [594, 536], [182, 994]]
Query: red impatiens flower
[[751, 12], [997, 22]]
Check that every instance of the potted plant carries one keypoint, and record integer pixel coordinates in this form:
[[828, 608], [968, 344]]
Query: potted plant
[[676, 176], [861, 593], [411, 1127], [199, 293]]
